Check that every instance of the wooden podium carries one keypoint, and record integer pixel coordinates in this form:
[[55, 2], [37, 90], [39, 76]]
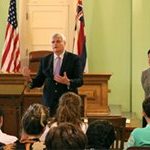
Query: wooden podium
[[96, 89], [14, 102]]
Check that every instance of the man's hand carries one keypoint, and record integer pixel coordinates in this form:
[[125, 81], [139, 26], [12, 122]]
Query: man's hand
[[62, 79], [26, 73]]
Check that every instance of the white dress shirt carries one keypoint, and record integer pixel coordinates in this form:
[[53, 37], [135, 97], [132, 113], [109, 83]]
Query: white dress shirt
[[7, 139]]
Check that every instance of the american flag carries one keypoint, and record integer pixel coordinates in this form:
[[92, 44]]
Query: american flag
[[79, 43], [10, 61]]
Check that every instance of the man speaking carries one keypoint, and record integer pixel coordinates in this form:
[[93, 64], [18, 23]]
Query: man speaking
[[59, 72]]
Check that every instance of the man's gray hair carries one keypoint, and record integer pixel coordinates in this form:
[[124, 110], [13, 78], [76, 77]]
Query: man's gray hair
[[60, 35]]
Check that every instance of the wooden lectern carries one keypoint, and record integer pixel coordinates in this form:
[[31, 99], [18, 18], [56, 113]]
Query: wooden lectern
[[96, 89]]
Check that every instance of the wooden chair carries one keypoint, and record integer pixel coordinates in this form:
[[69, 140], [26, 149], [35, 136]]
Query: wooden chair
[[119, 124], [138, 148], [34, 59]]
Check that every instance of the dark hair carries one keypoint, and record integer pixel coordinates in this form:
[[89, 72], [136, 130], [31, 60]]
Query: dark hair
[[100, 134], [1, 112], [35, 119], [148, 52], [65, 136], [146, 106], [69, 109]]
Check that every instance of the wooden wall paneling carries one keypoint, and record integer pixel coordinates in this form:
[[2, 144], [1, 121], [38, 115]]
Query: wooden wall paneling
[[10, 104]]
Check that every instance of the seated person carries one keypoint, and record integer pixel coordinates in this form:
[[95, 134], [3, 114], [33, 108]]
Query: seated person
[[65, 136], [5, 138], [141, 136], [33, 124], [100, 134], [69, 111]]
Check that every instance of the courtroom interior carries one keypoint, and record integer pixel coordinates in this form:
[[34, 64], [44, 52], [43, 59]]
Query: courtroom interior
[[117, 40]]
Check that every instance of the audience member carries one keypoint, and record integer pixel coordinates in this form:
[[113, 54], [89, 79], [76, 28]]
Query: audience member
[[65, 136], [69, 111], [141, 136], [145, 81], [100, 134], [33, 125], [145, 78], [5, 138]]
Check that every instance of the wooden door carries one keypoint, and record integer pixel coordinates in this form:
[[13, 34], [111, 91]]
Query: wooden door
[[39, 19]]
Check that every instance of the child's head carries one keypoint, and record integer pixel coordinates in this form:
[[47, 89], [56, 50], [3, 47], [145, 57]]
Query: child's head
[[66, 136], [35, 119], [69, 108], [100, 134], [146, 107]]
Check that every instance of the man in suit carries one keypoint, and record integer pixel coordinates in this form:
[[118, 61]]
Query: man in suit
[[145, 80], [60, 72]]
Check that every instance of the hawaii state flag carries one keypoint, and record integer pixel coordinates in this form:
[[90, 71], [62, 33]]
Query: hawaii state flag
[[79, 43], [10, 61]]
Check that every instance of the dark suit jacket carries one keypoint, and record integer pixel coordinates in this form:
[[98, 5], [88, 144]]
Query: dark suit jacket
[[71, 64], [145, 80]]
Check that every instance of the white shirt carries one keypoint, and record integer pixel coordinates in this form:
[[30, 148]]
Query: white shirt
[[42, 138], [7, 139], [83, 126]]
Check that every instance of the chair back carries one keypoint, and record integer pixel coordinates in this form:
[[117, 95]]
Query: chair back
[[34, 59], [119, 124]]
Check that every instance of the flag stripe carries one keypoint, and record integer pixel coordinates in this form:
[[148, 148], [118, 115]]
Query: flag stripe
[[79, 42], [11, 65], [7, 28], [81, 38], [10, 61], [8, 49], [7, 44]]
